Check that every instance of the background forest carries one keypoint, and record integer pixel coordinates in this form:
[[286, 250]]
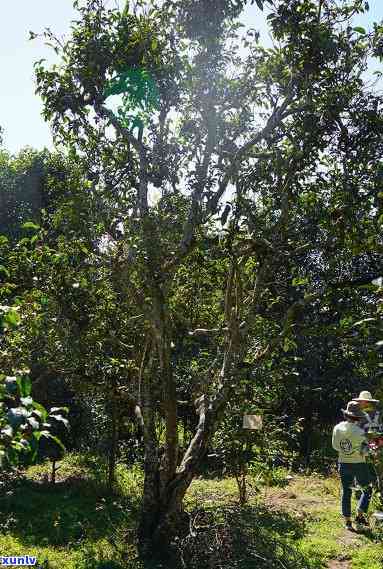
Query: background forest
[[208, 245]]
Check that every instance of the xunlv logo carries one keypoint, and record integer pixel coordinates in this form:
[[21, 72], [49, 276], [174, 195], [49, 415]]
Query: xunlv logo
[[25, 560]]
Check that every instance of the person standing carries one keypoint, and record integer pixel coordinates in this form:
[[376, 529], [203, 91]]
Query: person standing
[[350, 441], [368, 405], [373, 427]]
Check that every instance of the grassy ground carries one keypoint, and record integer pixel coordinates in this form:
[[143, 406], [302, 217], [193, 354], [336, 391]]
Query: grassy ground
[[75, 524], [325, 542]]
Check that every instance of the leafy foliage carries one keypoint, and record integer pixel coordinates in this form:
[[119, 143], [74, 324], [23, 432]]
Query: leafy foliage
[[23, 421], [139, 95]]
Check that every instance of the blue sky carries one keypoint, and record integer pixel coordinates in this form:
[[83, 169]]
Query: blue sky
[[20, 108]]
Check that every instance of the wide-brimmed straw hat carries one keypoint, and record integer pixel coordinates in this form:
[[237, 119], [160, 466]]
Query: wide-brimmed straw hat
[[366, 396], [353, 410]]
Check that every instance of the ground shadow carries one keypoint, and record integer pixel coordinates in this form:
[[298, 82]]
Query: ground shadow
[[39, 513], [244, 538], [220, 536]]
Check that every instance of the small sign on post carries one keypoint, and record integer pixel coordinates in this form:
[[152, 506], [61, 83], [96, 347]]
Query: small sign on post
[[252, 422]]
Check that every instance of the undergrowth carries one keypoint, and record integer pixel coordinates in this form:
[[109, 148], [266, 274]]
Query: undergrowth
[[289, 522]]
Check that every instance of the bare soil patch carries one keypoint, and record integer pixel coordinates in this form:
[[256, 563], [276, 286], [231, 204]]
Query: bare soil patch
[[334, 564], [293, 502]]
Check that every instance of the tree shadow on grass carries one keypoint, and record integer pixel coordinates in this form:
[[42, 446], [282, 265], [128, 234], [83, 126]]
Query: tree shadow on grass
[[242, 538], [76, 513], [232, 537], [63, 514]]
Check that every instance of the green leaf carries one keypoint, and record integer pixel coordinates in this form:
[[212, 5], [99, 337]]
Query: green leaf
[[11, 318], [25, 387], [12, 455], [61, 419], [40, 411], [7, 432], [30, 225], [34, 443], [298, 281], [5, 271], [48, 435], [33, 423], [56, 409], [360, 30], [364, 321]]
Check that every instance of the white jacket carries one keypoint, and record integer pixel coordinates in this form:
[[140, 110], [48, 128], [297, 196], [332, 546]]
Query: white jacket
[[350, 441]]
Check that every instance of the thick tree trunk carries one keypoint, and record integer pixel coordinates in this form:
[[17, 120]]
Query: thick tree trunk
[[163, 516], [170, 456], [166, 485], [159, 510], [150, 501]]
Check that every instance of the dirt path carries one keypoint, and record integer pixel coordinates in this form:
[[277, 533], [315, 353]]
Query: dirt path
[[349, 538], [338, 564], [304, 501], [302, 506], [346, 540]]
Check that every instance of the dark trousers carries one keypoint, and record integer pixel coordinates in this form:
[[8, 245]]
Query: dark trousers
[[361, 473]]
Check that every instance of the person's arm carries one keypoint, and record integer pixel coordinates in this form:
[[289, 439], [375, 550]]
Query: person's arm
[[375, 421], [365, 423], [363, 442]]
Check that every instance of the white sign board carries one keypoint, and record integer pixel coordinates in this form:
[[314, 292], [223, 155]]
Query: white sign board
[[252, 422]]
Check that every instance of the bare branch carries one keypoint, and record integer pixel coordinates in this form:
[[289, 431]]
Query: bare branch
[[139, 147], [204, 331], [192, 220], [274, 120]]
